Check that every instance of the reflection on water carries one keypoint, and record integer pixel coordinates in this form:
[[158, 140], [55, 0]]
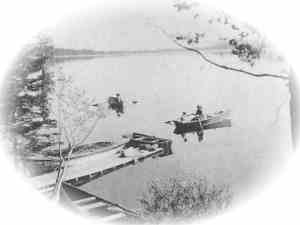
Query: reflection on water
[[165, 86]]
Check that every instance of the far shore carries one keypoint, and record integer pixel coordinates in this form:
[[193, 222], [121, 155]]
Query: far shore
[[70, 57]]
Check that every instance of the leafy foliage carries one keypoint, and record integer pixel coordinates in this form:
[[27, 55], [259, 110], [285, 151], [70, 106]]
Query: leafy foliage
[[245, 51], [26, 112], [242, 40], [183, 199], [246, 43]]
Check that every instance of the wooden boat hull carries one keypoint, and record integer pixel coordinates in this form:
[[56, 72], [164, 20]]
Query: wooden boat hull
[[150, 143], [195, 126], [188, 127], [218, 124]]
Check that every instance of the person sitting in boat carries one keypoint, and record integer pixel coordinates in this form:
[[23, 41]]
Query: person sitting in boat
[[118, 98], [120, 103], [116, 104], [199, 116], [199, 113], [183, 117]]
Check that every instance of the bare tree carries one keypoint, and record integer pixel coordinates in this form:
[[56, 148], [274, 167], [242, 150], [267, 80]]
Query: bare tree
[[77, 116], [76, 120]]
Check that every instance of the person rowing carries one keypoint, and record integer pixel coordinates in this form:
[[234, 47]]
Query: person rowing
[[199, 116], [116, 103], [199, 112], [183, 119]]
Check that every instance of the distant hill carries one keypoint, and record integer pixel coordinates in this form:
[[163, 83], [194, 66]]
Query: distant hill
[[64, 54], [70, 52], [76, 52]]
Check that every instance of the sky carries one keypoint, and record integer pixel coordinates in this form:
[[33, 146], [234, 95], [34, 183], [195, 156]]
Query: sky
[[132, 29]]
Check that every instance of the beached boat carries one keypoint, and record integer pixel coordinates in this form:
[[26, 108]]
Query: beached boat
[[149, 143]]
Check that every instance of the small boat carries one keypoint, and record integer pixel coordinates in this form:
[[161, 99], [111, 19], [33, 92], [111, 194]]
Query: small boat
[[116, 105], [187, 127], [150, 143], [212, 121]]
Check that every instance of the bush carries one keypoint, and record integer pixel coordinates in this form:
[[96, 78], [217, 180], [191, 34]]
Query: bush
[[245, 51], [178, 199]]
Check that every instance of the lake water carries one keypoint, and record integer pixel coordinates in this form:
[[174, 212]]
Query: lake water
[[242, 156]]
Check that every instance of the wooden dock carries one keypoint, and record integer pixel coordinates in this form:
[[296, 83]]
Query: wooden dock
[[81, 170]]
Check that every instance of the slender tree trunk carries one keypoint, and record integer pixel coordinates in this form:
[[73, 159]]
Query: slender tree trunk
[[60, 174], [59, 180]]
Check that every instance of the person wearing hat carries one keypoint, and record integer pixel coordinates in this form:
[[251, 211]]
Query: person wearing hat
[[200, 116], [119, 104]]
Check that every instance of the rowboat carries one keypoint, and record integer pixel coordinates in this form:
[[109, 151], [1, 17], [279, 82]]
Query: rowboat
[[116, 105], [213, 121]]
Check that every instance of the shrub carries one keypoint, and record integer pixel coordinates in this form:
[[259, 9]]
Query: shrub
[[183, 198]]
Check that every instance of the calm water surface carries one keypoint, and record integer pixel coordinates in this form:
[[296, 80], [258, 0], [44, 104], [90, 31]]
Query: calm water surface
[[166, 85]]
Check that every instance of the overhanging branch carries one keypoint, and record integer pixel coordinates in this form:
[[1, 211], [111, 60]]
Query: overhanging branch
[[204, 57], [225, 67]]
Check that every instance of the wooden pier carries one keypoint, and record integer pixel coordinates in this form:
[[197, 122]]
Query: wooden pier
[[81, 170]]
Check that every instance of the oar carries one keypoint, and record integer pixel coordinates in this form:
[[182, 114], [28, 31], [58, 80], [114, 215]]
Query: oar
[[134, 102]]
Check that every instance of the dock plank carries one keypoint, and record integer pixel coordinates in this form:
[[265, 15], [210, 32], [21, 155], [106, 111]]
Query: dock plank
[[89, 165]]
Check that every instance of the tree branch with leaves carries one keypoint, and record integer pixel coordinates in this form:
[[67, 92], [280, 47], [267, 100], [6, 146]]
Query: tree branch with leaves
[[243, 42], [26, 97]]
